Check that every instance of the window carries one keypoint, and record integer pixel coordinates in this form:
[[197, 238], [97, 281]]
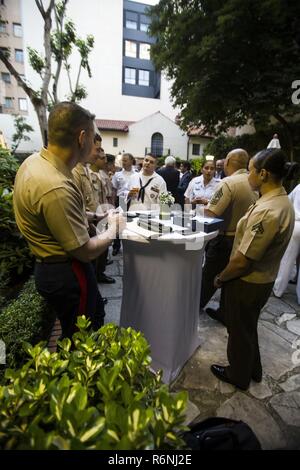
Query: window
[[157, 143], [196, 149], [130, 49], [17, 29], [2, 27], [115, 142], [5, 77], [23, 104], [144, 23], [145, 51], [144, 77], [19, 56], [129, 76], [8, 103], [5, 51], [131, 21]]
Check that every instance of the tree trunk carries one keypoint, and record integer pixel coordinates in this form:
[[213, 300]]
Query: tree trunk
[[289, 134], [41, 112]]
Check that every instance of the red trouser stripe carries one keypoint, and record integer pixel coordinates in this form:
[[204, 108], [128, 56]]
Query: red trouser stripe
[[82, 281]]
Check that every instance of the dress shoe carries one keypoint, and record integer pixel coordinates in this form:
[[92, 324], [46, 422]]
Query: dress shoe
[[109, 261], [220, 373], [103, 279], [104, 300], [115, 251], [257, 377], [214, 314]]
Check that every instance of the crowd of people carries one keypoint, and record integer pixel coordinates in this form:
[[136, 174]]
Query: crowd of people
[[63, 192]]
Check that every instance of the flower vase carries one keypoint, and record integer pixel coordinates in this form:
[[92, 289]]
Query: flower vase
[[165, 212]]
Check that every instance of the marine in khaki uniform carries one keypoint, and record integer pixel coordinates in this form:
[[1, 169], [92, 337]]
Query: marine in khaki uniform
[[230, 201], [261, 238], [91, 186], [50, 213]]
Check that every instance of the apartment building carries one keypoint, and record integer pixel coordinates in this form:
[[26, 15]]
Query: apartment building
[[13, 99]]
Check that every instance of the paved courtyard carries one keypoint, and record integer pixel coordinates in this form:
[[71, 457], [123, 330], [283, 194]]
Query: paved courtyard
[[271, 408]]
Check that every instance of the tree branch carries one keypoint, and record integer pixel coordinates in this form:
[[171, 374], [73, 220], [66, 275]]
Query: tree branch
[[28, 90], [40, 6]]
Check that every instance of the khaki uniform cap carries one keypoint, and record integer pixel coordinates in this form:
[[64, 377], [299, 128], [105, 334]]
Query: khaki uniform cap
[[231, 199], [48, 207], [263, 234]]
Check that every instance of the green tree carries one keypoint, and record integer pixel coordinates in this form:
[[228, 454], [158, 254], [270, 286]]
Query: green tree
[[231, 61], [59, 44], [21, 131]]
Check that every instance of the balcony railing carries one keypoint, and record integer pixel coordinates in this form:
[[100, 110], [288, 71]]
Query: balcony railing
[[158, 151]]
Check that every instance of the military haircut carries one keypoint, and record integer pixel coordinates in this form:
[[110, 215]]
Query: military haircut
[[66, 119]]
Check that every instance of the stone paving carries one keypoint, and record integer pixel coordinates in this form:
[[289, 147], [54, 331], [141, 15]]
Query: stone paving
[[271, 408]]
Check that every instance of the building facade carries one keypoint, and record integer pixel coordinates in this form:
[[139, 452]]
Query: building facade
[[13, 99], [125, 87]]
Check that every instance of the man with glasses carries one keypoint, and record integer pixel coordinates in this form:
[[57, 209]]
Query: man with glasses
[[50, 213]]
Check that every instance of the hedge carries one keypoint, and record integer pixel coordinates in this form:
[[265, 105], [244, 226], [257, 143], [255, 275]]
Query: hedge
[[26, 319]]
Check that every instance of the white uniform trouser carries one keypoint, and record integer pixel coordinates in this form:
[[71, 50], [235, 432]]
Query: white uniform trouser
[[287, 264]]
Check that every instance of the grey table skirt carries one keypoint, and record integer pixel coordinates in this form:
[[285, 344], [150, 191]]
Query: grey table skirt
[[161, 297]]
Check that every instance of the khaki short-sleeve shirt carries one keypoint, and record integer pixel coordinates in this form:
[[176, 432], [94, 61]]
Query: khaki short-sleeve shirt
[[83, 180], [231, 199], [263, 234], [49, 208]]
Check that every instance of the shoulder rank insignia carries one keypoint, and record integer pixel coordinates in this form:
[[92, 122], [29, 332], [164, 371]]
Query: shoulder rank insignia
[[258, 228], [216, 197]]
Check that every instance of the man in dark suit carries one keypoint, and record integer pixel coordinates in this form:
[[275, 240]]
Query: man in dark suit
[[184, 181], [170, 175]]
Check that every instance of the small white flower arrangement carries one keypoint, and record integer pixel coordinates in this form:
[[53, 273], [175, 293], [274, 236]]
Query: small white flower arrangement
[[166, 198]]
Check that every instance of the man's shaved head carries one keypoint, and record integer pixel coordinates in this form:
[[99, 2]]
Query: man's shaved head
[[238, 158]]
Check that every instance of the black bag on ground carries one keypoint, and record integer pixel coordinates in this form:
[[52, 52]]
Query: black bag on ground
[[221, 434]]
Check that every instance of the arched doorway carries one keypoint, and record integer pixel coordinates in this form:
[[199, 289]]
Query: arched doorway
[[157, 144]]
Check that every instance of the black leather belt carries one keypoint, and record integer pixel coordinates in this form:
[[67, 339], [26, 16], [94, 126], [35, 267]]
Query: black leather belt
[[53, 259]]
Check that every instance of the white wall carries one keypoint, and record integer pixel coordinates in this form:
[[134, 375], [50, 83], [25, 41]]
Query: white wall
[[140, 133], [104, 20]]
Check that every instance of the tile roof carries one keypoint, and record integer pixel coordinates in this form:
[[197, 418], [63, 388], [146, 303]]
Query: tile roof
[[112, 125]]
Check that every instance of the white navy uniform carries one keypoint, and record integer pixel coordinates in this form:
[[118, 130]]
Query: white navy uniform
[[292, 252], [150, 189], [197, 188]]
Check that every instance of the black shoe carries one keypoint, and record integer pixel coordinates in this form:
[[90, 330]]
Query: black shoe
[[220, 373], [103, 279], [104, 300], [257, 377], [115, 251], [109, 261], [214, 314]]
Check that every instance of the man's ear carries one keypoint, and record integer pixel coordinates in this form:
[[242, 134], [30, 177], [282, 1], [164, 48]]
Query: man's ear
[[264, 175], [81, 138]]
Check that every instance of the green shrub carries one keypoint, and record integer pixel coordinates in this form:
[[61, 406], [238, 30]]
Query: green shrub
[[8, 169], [98, 394], [15, 257], [27, 318], [196, 165]]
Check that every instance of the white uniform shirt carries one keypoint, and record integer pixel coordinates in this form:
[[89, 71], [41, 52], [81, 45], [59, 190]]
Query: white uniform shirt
[[197, 188], [294, 197], [156, 186], [120, 181]]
